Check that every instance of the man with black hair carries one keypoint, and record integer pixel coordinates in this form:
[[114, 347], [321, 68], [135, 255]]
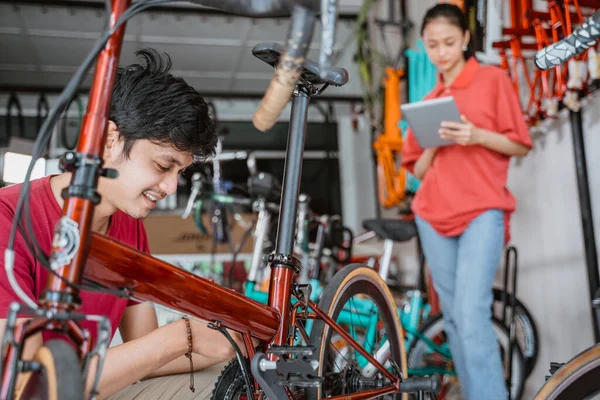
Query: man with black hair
[[158, 126]]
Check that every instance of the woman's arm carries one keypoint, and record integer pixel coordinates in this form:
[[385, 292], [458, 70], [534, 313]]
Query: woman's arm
[[500, 143], [424, 162], [467, 134]]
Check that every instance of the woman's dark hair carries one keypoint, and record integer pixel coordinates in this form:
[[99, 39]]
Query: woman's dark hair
[[150, 103], [454, 15]]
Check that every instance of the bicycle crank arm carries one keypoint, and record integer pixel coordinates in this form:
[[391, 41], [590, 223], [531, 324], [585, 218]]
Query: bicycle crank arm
[[267, 377], [295, 367]]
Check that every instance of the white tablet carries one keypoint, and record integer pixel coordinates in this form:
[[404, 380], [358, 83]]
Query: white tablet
[[425, 119]]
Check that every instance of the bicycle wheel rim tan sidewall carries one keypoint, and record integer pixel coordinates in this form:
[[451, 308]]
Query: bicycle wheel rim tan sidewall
[[366, 273], [567, 375], [45, 358]]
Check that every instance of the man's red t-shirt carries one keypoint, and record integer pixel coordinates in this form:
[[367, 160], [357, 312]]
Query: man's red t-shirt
[[33, 277], [465, 181]]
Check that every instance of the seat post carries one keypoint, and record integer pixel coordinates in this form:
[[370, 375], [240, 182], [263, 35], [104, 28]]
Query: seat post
[[386, 259], [292, 172]]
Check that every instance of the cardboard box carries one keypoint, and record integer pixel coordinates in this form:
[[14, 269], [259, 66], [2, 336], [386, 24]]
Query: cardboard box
[[170, 234]]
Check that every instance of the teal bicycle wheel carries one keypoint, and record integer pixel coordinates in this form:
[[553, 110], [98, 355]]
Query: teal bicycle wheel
[[423, 361], [340, 364]]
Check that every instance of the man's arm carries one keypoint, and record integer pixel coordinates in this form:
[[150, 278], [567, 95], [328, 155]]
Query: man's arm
[[127, 363], [136, 359], [140, 320], [159, 352], [31, 345]]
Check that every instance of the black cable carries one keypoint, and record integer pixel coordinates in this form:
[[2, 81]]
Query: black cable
[[213, 247], [237, 251], [24, 230], [45, 132], [29, 234], [239, 356]]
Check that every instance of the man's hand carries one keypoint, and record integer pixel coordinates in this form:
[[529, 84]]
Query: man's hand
[[464, 134]]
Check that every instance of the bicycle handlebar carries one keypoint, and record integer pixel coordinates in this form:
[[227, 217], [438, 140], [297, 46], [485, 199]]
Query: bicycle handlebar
[[237, 200], [577, 42], [288, 70], [421, 384], [251, 8]]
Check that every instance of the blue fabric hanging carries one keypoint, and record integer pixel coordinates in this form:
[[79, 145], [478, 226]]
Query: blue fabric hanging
[[422, 77]]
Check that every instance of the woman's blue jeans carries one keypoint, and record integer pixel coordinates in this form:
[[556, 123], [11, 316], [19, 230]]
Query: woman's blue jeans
[[463, 270]]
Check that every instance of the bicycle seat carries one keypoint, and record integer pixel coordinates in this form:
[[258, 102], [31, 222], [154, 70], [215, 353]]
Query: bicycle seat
[[392, 229], [270, 52], [263, 185]]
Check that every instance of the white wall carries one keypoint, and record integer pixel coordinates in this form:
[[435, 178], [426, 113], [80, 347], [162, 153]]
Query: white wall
[[546, 229], [356, 172]]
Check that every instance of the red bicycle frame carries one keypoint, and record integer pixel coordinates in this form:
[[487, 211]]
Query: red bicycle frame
[[551, 85]]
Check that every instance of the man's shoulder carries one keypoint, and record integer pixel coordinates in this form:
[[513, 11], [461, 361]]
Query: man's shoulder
[[9, 195]]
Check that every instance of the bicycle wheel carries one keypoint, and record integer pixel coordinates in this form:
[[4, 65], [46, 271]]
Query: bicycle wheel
[[352, 288], [421, 356], [59, 376], [525, 329], [577, 379]]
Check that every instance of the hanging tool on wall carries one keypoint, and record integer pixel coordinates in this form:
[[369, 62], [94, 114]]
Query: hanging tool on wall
[[42, 111], [372, 62], [365, 56], [387, 146], [14, 103], [69, 128]]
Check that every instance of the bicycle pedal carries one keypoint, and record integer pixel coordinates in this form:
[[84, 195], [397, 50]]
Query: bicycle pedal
[[298, 351], [296, 366], [273, 376]]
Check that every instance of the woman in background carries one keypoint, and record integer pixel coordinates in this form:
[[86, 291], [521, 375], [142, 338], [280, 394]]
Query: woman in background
[[462, 208]]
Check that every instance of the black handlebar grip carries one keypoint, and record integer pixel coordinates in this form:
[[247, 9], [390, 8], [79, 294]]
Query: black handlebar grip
[[577, 42], [421, 384]]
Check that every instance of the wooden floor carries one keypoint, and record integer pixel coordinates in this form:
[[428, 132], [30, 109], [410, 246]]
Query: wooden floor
[[174, 387]]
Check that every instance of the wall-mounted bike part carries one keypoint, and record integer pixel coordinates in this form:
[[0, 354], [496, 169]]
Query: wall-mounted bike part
[[14, 104], [69, 127]]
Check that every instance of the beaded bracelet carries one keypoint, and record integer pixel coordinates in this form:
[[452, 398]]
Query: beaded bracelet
[[189, 353]]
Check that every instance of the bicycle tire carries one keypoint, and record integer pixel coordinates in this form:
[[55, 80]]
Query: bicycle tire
[[577, 379], [59, 377], [351, 281], [527, 333], [434, 326]]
